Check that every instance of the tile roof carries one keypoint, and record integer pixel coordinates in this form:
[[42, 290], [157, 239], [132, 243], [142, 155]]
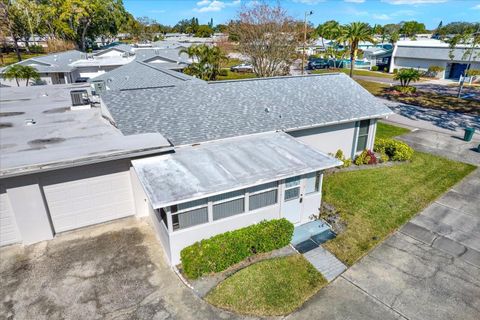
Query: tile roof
[[136, 75], [198, 113]]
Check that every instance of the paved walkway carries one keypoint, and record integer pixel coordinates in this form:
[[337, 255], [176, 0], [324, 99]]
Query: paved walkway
[[325, 262]]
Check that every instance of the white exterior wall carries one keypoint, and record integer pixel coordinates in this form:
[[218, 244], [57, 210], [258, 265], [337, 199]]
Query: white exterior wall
[[421, 64], [329, 139], [9, 232], [47, 203]]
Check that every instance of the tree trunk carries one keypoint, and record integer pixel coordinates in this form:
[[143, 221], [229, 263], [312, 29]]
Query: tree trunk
[[84, 34], [26, 81], [17, 49], [18, 83]]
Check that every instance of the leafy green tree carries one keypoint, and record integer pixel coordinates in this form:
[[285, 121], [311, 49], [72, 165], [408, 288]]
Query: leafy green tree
[[352, 34], [20, 72], [206, 61], [204, 31], [405, 76], [412, 28]]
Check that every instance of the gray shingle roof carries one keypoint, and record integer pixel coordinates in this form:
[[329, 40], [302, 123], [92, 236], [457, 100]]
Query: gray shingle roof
[[136, 75], [170, 55], [197, 113], [55, 62]]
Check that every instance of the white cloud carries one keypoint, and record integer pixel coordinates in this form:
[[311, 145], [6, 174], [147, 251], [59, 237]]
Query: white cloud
[[308, 1], [413, 2], [215, 5], [355, 1], [381, 16], [477, 7]]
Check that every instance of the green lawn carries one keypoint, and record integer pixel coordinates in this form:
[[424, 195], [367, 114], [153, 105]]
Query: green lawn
[[423, 98], [388, 131], [356, 72], [271, 287], [375, 202], [9, 58], [237, 76]]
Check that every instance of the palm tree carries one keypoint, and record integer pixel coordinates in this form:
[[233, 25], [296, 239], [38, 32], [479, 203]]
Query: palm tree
[[206, 61], [405, 76], [30, 73], [20, 72], [330, 30], [354, 33]]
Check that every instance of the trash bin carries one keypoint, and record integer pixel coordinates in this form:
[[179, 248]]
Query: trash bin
[[468, 134]]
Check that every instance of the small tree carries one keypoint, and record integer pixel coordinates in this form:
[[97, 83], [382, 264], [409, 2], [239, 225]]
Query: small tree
[[435, 70], [19, 72], [405, 76], [206, 61], [354, 33]]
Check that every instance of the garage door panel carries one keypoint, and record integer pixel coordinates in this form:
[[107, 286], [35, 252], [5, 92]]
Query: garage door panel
[[96, 195], [9, 233]]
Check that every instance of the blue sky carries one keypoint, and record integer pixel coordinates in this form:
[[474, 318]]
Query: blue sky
[[429, 12]]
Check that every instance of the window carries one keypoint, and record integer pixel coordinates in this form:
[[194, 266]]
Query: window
[[363, 135], [263, 195], [292, 188], [228, 204], [312, 182], [162, 216], [189, 214]]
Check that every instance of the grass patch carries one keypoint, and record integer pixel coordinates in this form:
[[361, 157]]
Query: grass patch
[[230, 62], [237, 76], [385, 131], [356, 72], [423, 98], [271, 287], [11, 57], [376, 202]]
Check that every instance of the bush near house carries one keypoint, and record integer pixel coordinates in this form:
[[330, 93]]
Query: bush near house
[[366, 157], [224, 250], [374, 68], [394, 149], [340, 156]]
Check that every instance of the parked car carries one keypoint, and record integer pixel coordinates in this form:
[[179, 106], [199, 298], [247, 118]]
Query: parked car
[[244, 67], [317, 64]]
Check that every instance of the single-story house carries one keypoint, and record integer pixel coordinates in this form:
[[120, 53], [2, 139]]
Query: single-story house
[[197, 159], [138, 75], [245, 150], [422, 54]]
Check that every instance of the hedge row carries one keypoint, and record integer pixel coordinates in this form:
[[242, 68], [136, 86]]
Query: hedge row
[[224, 250]]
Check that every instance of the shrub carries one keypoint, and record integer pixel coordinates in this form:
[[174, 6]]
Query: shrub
[[224, 250], [395, 71], [407, 90], [366, 157], [385, 69], [223, 72], [374, 68], [346, 162], [473, 72], [405, 76], [383, 157], [394, 149]]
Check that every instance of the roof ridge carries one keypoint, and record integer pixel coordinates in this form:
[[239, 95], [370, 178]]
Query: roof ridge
[[278, 77], [166, 71]]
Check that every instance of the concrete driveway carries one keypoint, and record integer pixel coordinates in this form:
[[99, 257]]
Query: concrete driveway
[[112, 271]]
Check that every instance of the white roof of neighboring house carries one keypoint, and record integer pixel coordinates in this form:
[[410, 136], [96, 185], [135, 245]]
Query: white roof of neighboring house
[[226, 165], [54, 62], [432, 49], [60, 137]]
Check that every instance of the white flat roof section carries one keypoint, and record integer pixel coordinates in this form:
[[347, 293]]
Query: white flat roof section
[[60, 137], [221, 166]]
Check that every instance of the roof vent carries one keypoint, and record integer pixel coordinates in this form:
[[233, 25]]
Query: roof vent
[[30, 122], [44, 94], [267, 110]]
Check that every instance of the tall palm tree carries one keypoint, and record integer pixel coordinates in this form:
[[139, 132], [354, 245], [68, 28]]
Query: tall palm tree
[[354, 33], [20, 72], [331, 30]]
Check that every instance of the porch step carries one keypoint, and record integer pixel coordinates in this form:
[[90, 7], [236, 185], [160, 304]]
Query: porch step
[[325, 262]]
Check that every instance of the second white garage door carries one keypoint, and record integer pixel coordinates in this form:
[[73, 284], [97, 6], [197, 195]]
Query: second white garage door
[[8, 226], [88, 195]]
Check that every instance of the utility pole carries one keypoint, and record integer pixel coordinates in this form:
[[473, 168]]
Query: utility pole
[[307, 13], [469, 63]]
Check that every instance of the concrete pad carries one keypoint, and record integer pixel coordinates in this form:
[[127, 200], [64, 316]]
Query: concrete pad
[[472, 257], [343, 300], [419, 233], [452, 247], [419, 281], [463, 202], [118, 272]]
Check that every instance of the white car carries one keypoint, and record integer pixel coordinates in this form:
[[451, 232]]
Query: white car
[[244, 67]]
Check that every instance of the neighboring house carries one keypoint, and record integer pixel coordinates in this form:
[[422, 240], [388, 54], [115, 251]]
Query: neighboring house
[[422, 54], [165, 58], [379, 55], [53, 68], [137, 75], [198, 158]]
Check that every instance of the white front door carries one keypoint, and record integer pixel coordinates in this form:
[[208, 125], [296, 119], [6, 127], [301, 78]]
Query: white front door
[[292, 199]]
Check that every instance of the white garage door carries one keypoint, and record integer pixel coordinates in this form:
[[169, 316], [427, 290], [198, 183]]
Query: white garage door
[[8, 226], [83, 196]]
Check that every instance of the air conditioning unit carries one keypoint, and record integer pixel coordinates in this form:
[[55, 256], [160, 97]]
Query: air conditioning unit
[[80, 99]]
